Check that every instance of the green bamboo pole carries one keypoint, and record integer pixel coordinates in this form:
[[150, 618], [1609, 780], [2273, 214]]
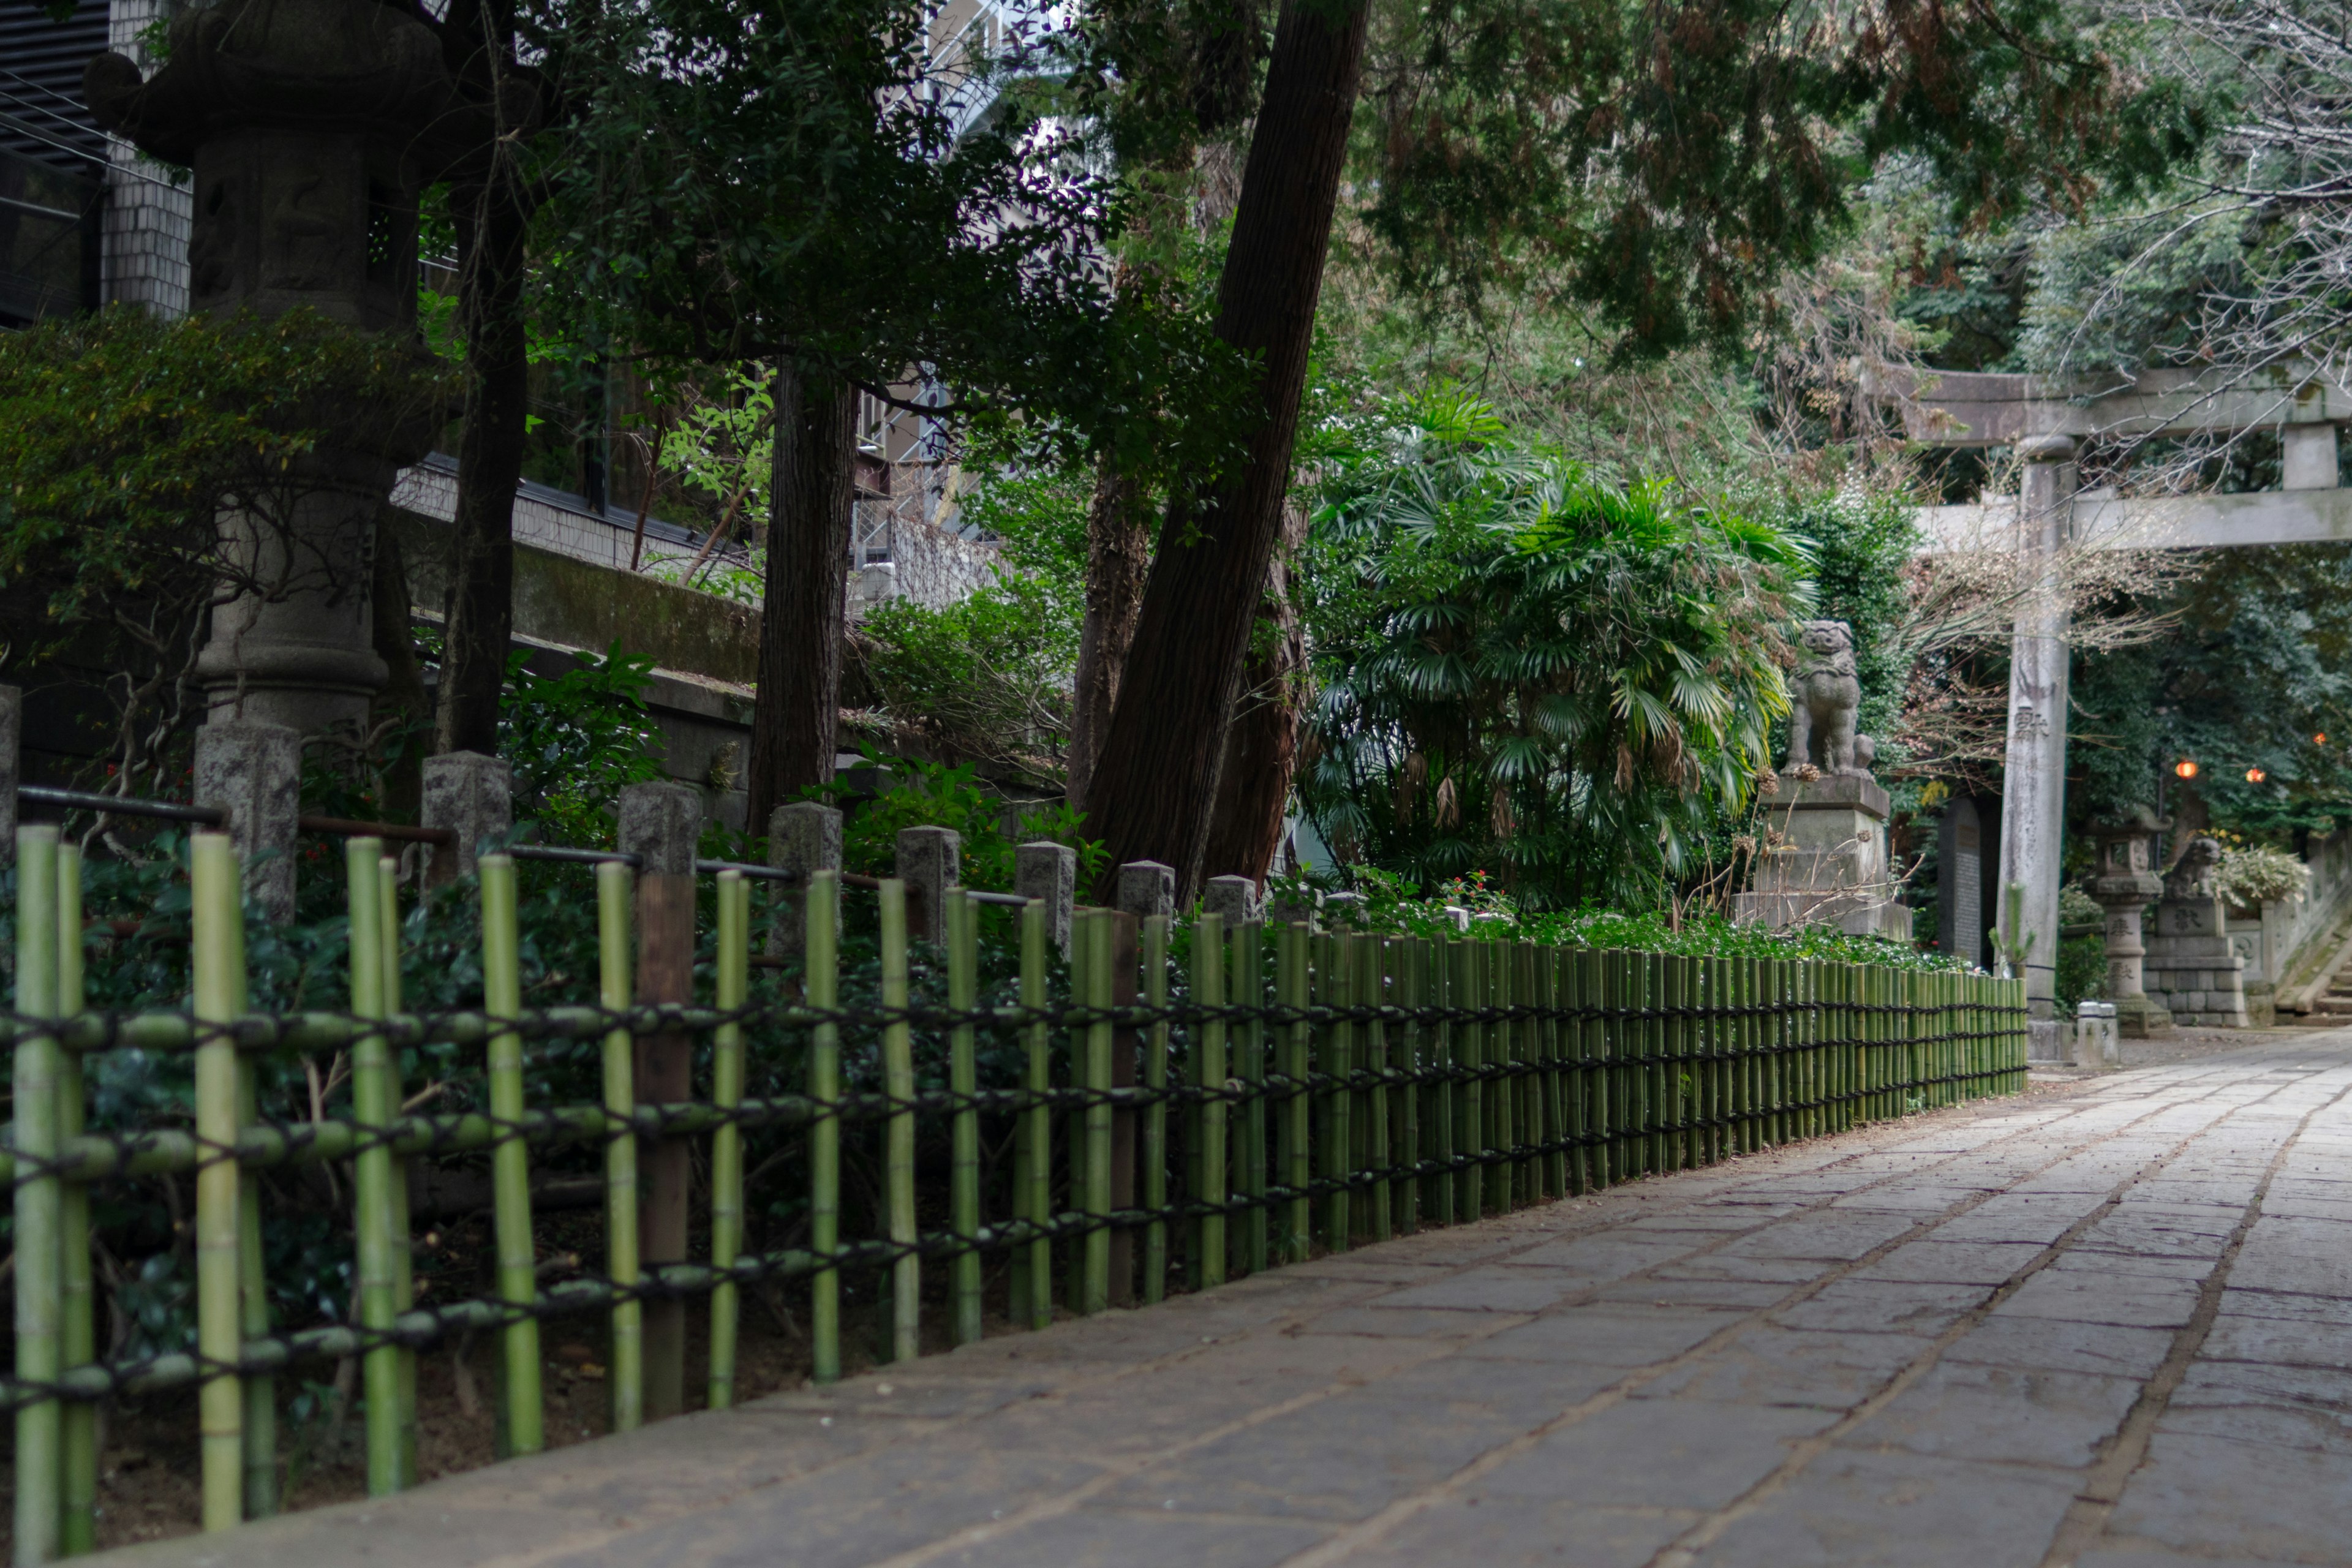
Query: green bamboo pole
[[1588, 1103], [522, 1410], [1249, 988], [1716, 1032], [734, 987], [1155, 1115], [261, 1450], [1334, 988], [1624, 1070], [615, 892], [964, 1132], [1502, 1094], [1294, 1132], [1211, 1122], [898, 1160], [1550, 970], [217, 953], [1036, 1126], [1372, 958], [77, 1325], [373, 1108], [260, 1435], [821, 985], [39, 1208], [1408, 1049], [1093, 1292], [1470, 1051], [1074, 1133]]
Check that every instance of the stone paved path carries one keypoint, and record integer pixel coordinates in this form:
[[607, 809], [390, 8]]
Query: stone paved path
[[2108, 1325]]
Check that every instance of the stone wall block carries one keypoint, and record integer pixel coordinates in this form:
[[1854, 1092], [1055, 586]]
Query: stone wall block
[[1049, 871], [473, 796], [802, 837], [253, 772], [660, 824], [930, 862]]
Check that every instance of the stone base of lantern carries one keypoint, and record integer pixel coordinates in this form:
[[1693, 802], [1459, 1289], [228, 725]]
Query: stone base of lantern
[[2141, 1017]]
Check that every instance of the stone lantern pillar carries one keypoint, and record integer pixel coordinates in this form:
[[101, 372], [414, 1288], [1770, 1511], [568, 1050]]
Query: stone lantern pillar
[[2126, 884], [311, 126]]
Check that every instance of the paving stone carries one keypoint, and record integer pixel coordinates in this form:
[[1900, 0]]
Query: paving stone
[[1413, 1322], [1874, 1306], [1523, 1533], [1907, 1198], [2311, 1256], [1495, 1287], [1768, 1364], [2205, 1495], [2228, 1382], [2014, 1415], [1953, 1262], [1851, 1508], [2101, 1348], [1840, 1237], [2083, 1261], [1724, 1293], [2283, 1342], [1613, 1335], [2009, 1218], [2128, 1300], [1138, 1538], [1664, 1453], [1604, 1257], [1782, 1271]]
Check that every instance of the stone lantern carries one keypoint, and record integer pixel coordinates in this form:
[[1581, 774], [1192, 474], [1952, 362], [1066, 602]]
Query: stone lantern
[[311, 126], [2125, 884]]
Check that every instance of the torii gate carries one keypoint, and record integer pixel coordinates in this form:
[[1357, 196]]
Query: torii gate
[[2044, 420]]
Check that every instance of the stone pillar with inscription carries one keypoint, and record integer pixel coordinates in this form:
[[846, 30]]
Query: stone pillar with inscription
[[2125, 884], [2033, 818], [2192, 969], [311, 126], [1960, 920]]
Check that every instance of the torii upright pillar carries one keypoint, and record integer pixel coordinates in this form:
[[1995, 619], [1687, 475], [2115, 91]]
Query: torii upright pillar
[[2033, 812]]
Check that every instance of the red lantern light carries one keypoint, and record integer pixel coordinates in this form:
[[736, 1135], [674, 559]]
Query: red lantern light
[[2255, 775], [2184, 768]]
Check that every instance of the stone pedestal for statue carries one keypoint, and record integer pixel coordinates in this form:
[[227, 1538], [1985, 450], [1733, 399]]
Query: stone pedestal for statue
[[2125, 884], [311, 125], [2193, 970], [1825, 861]]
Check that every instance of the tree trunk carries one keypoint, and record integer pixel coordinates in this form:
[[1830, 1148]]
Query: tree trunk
[[1155, 784], [1118, 551], [1262, 746], [798, 711], [493, 217]]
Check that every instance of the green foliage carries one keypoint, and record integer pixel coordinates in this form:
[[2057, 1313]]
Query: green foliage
[[576, 740], [930, 794], [1539, 146], [127, 436], [1526, 673], [987, 676], [1856, 545], [1391, 905], [2251, 875], [2257, 665], [2082, 974]]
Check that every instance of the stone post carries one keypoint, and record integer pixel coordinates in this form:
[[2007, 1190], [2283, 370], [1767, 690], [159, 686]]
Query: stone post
[[2307, 458], [1147, 887], [803, 836], [12, 767], [930, 861], [1049, 871], [254, 772], [1290, 911], [1232, 899], [659, 823], [473, 796], [2125, 884], [2033, 821]]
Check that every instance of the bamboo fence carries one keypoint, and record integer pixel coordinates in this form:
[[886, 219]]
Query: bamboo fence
[[1310, 1090]]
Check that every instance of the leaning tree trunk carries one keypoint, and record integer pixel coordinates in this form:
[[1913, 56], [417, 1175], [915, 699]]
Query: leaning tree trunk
[[492, 218], [1118, 551], [1155, 784], [797, 715], [1262, 746]]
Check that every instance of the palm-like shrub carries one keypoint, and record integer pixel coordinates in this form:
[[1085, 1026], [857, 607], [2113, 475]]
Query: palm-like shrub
[[1528, 674]]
